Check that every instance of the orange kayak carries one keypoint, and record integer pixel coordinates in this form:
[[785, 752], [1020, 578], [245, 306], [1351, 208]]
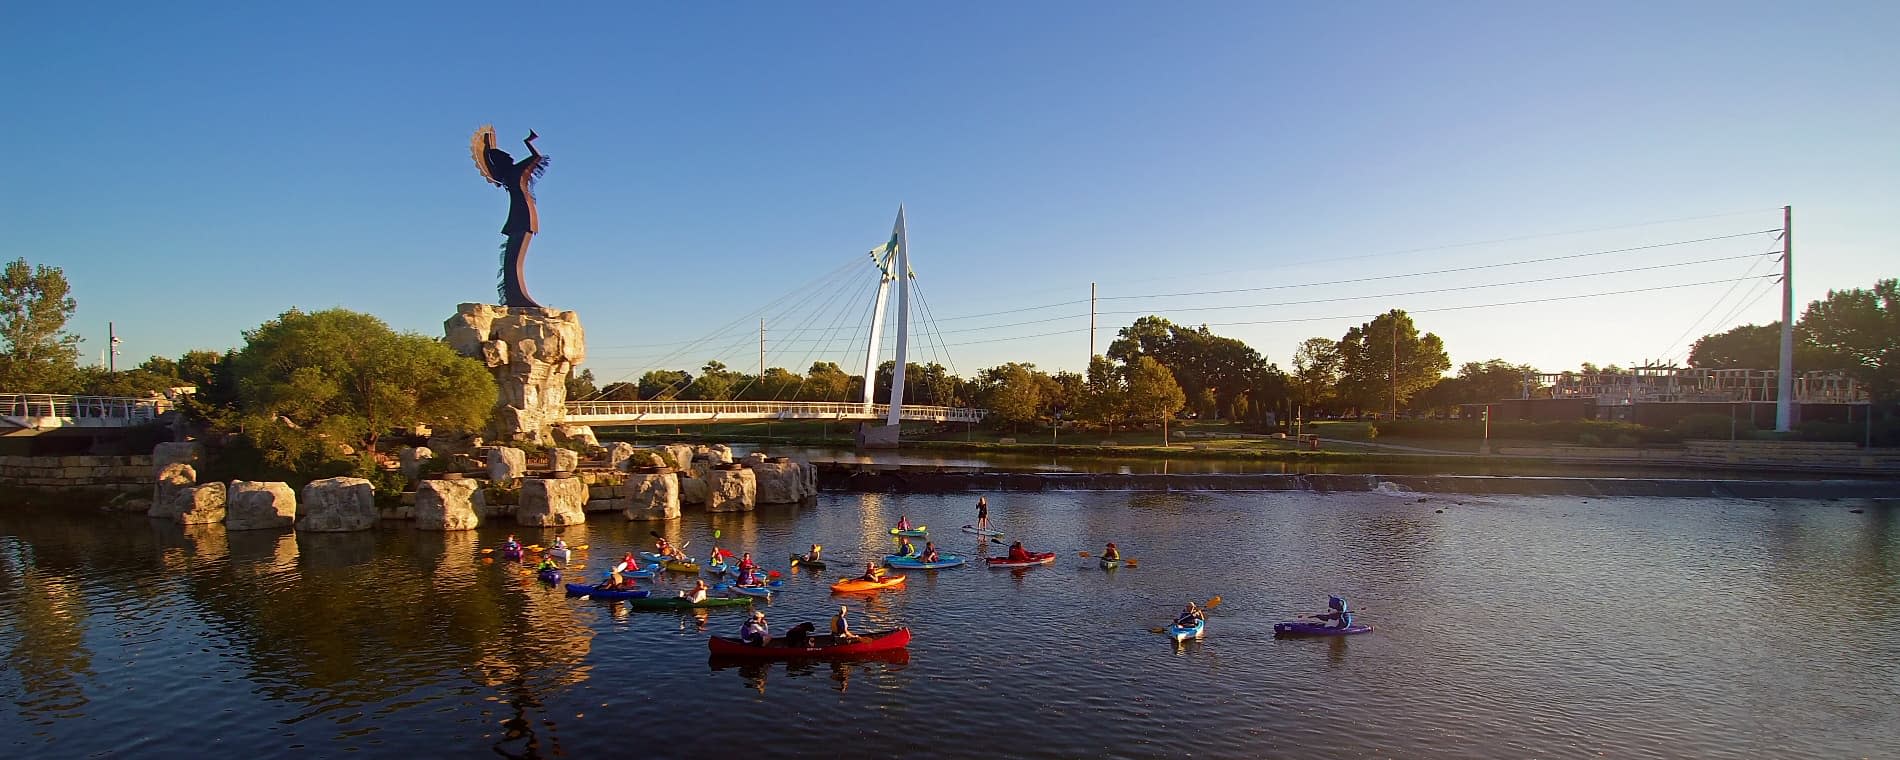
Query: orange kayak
[[854, 585]]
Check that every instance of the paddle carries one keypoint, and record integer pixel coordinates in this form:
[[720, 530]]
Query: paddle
[[1211, 604]]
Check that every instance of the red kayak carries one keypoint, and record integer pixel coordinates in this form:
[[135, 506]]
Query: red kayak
[[1035, 558], [821, 646]]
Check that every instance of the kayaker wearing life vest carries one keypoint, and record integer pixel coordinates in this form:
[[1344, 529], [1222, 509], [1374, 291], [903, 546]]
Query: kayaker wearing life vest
[[626, 563], [905, 548], [1190, 616], [754, 631], [841, 628], [903, 523], [815, 555], [1338, 612], [697, 593], [559, 543], [983, 512], [872, 573], [1018, 554], [1111, 553], [930, 552], [666, 549], [547, 563], [511, 544]]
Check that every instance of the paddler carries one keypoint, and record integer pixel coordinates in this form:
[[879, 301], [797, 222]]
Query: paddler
[[1338, 611], [905, 548], [625, 564], [511, 544], [815, 555], [666, 549], [983, 512], [1190, 616], [1111, 553], [872, 573], [547, 563], [559, 543], [754, 631], [1018, 554], [697, 593], [930, 552], [841, 628], [903, 522]]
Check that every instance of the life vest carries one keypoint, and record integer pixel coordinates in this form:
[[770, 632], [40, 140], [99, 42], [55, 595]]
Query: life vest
[[838, 626]]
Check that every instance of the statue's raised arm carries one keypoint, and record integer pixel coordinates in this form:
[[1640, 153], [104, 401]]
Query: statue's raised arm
[[518, 178]]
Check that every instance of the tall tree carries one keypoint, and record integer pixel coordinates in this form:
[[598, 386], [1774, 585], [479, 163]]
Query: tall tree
[[580, 387], [36, 353], [826, 382], [664, 384], [1012, 394], [1366, 361], [1862, 327], [715, 383], [1105, 397], [1214, 371], [1316, 377], [1153, 394], [349, 376]]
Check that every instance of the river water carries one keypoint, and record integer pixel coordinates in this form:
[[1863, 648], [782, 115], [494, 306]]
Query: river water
[[1504, 628]]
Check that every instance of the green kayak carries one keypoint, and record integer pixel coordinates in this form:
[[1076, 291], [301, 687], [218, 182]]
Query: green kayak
[[680, 603]]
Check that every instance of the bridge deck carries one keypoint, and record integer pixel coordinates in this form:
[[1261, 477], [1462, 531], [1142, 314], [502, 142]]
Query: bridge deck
[[28, 413], [609, 413]]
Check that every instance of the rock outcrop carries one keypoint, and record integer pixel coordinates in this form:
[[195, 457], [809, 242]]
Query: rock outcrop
[[337, 505], [251, 505], [506, 463], [447, 505], [552, 501], [731, 490], [531, 351], [653, 496], [173, 478], [199, 505], [781, 480]]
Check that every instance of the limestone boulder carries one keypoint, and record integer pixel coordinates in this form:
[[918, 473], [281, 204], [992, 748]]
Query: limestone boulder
[[719, 453], [564, 460], [780, 482], [692, 490], [618, 453], [734, 490], [552, 501], [654, 496], [337, 505], [470, 326], [172, 478], [412, 458], [447, 505], [506, 463], [170, 453], [199, 505], [681, 454], [582, 434], [252, 505]]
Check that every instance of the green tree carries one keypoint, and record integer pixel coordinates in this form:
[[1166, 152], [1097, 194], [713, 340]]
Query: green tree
[[1214, 371], [715, 383], [664, 384], [826, 382], [36, 353], [1012, 394], [1366, 361], [1316, 376], [777, 384], [1152, 393], [1104, 397], [348, 376], [1862, 328], [580, 387], [619, 392]]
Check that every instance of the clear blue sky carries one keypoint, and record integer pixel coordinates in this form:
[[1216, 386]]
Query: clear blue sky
[[198, 169]]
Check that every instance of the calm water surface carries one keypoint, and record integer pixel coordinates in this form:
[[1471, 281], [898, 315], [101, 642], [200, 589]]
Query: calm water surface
[[1505, 628]]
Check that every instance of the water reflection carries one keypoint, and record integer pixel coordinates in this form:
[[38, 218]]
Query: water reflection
[[754, 672]]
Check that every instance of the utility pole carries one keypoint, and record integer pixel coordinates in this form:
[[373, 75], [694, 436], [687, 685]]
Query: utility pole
[[1395, 367], [1784, 376], [761, 346], [112, 347], [1091, 322]]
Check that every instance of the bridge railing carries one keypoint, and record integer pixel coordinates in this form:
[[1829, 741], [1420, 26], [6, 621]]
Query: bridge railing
[[791, 410], [108, 409]]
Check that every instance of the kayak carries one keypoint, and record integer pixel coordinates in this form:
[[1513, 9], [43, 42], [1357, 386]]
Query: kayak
[[1300, 628], [511, 552], [560, 555], [913, 563], [680, 602], [582, 589], [1110, 564], [798, 561], [550, 575], [917, 532], [758, 591], [1035, 558], [680, 567], [716, 568], [648, 572], [856, 585], [976, 531], [1196, 631], [820, 646]]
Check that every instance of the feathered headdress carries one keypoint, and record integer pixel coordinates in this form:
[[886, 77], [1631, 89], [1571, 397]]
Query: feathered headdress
[[478, 148]]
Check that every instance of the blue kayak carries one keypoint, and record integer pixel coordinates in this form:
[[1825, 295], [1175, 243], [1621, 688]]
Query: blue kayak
[[1196, 631], [758, 591], [550, 576], [917, 532], [582, 589], [1302, 628], [913, 563]]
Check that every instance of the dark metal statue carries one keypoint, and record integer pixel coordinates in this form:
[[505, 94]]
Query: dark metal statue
[[518, 178]]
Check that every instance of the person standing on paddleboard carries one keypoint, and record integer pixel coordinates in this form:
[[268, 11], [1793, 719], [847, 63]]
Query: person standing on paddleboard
[[983, 512]]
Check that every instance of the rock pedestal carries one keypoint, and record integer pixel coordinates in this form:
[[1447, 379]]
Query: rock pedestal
[[734, 490], [446, 505], [506, 464], [337, 505], [618, 452], [782, 481], [200, 505], [556, 501], [653, 496], [173, 478], [681, 453], [251, 505], [563, 460], [531, 351]]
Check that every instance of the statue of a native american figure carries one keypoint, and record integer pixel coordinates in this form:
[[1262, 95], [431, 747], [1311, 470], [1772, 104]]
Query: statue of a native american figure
[[518, 178]]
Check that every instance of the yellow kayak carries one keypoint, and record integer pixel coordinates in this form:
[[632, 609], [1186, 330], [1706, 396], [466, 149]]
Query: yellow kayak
[[853, 585], [681, 567]]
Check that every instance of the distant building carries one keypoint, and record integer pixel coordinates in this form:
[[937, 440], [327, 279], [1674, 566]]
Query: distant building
[[1662, 396]]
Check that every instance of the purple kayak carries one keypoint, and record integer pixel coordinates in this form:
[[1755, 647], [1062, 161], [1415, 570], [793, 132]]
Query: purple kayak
[[1298, 628]]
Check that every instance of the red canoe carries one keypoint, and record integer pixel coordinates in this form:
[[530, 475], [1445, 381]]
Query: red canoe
[[1035, 558], [822, 646]]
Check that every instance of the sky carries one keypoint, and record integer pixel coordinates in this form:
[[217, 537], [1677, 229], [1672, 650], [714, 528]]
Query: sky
[[197, 169]]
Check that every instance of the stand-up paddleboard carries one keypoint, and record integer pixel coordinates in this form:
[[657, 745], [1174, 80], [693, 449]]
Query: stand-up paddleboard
[[986, 533]]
